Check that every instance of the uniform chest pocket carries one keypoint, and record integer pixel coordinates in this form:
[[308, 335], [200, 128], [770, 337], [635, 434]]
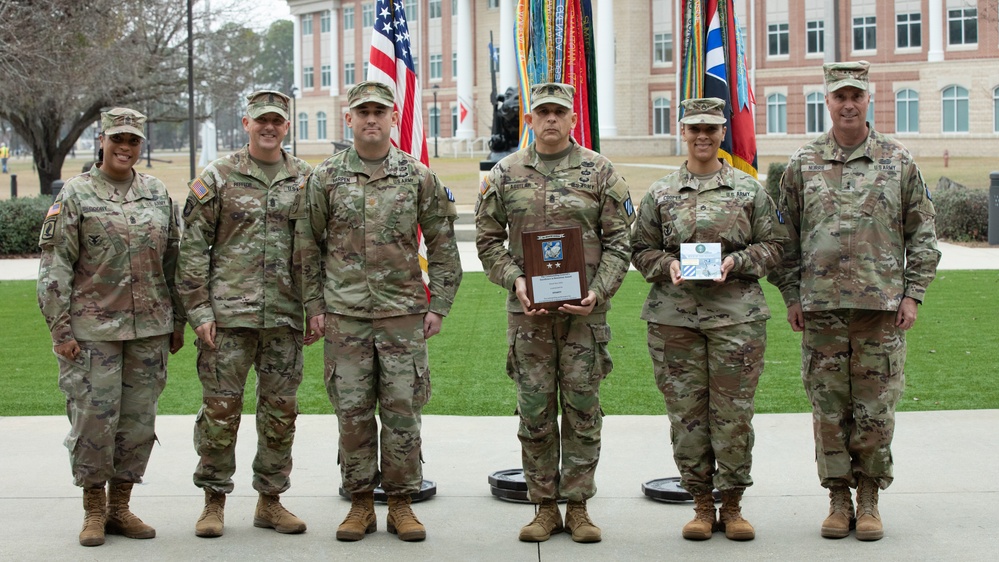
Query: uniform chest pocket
[[346, 206], [149, 225], [100, 239], [403, 211], [881, 205]]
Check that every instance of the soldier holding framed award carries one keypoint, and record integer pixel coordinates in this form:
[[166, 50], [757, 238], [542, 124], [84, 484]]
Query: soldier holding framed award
[[557, 330], [707, 328]]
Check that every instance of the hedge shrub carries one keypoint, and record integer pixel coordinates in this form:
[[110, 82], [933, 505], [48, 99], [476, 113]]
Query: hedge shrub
[[21, 222], [962, 213]]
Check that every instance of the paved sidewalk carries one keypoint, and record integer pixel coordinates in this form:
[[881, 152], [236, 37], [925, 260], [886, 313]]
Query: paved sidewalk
[[942, 505]]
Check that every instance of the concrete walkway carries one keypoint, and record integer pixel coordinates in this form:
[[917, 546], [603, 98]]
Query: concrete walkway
[[942, 505]]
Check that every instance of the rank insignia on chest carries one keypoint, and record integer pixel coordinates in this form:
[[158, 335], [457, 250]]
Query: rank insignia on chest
[[199, 188]]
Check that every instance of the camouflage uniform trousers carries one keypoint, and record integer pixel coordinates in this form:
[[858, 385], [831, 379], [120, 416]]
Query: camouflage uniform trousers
[[378, 362], [112, 408], [708, 378], [852, 365], [559, 360], [276, 356]]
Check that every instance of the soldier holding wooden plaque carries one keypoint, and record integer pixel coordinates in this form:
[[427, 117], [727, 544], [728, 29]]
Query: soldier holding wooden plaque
[[553, 225]]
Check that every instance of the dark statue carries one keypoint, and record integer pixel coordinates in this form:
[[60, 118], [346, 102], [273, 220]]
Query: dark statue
[[506, 125]]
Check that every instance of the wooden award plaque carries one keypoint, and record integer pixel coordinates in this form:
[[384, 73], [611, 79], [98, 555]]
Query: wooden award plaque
[[554, 266]]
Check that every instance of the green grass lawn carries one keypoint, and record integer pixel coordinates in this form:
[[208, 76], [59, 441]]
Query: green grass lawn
[[951, 361]]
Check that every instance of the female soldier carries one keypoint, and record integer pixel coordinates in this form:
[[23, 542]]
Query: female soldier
[[106, 288], [706, 338]]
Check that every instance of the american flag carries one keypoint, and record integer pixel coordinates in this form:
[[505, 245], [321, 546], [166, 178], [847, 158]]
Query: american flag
[[391, 62]]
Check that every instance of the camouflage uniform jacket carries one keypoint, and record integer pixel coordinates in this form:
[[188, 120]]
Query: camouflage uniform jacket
[[236, 254], [861, 227], [734, 210], [108, 261], [360, 250], [583, 190]]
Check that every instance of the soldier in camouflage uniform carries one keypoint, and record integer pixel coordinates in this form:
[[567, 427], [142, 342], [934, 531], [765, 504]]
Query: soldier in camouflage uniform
[[364, 289], [242, 293], [556, 358], [106, 288], [862, 251], [707, 338]]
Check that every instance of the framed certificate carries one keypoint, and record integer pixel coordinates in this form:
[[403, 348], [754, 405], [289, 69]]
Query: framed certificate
[[554, 266], [700, 260]]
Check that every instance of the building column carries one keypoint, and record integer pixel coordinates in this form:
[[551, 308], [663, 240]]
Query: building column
[[508, 46], [296, 23], [336, 65], [936, 23], [606, 55], [466, 78]]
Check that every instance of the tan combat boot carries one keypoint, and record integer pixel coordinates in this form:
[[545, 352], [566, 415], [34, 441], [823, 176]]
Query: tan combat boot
[[271, 514], [841, 517], [546, 522], [730, 517], [868, 519], [402, 520], [94, 516], [579, 524], [360, 519], [213, 516], [121, 521], [704, 522]]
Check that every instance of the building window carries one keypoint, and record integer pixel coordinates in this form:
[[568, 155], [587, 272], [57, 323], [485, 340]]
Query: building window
[[662, 48], [907, 111], [955, 109], [492, 4], [307, 24], [326, 76], [777, 39], [660, 116], [962, 26], [348, 74], [324, 22], [368, 14], [816, 33], [454, 7], [303, 126], [411, 7], [307, 79], [348, 18], [321, 125], [865, 33], [364, 68], [454, 121], [436, 66], [434, 8], [435, 122], [908, 30], [776, 113], [995, 110], [454, 65], [815, 113]]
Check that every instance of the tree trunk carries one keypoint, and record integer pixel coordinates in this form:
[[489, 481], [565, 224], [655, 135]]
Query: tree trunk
[[49, 167]]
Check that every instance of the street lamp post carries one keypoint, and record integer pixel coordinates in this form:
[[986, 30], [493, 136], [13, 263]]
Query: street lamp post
[[437, 116], [294, 118]]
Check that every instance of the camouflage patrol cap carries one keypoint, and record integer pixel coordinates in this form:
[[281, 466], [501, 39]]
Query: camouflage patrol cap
[[842, 74], [122, 120], [552, 92], [370, 91], [709, 111], [267, 101]]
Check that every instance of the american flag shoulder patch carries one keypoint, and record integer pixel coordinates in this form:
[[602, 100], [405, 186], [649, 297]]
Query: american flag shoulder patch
[[199, 188], [54, 210]]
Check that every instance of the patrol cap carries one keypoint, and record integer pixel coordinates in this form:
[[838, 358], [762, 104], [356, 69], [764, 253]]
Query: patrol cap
[[552, 92], [122, 120], [262, 102], [370, 91], [842, 74], [709, 111]]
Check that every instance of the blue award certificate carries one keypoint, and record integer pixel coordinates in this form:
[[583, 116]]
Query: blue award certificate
[[701, 260]]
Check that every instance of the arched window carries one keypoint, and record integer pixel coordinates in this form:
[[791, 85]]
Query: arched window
[[776, 113], [454, 120], [907, 111], [995, 110], [815, 113], [321, 125], [303, 126], [955, 109], [660, 116]]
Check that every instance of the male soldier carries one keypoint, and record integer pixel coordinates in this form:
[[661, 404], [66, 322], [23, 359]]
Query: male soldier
[[243, 299], [852, 281], [363, 288], [558, 357]]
